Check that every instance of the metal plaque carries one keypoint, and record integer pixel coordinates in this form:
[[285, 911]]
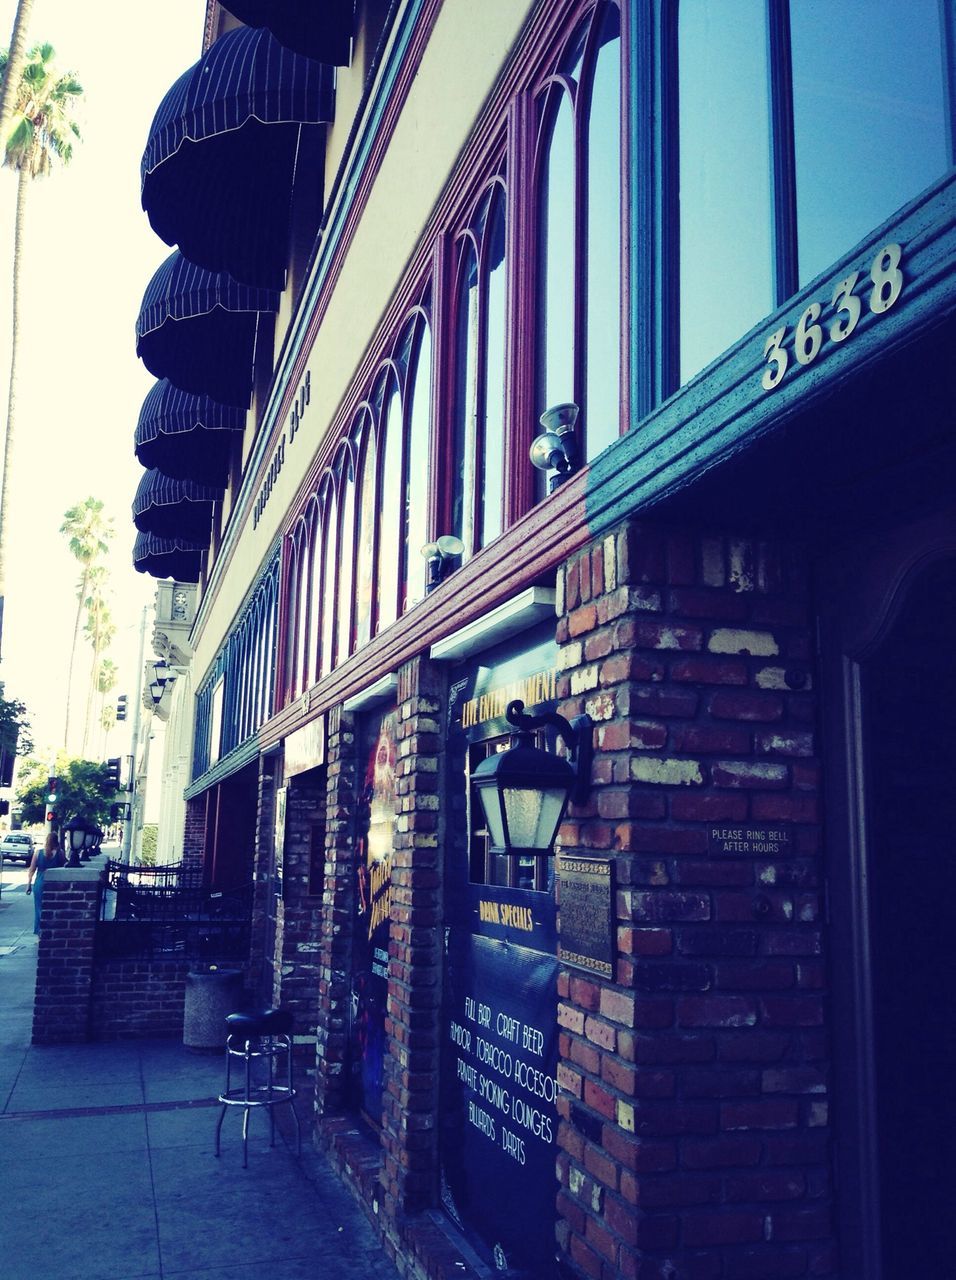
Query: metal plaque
[[586, 938], [748, 841]]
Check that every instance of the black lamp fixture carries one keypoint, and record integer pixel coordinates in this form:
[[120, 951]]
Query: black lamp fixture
[[441, 556], [525, 790], [556, 449], [163, 674], [75, 832]]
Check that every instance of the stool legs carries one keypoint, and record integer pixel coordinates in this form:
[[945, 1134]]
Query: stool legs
[[269, 1094]]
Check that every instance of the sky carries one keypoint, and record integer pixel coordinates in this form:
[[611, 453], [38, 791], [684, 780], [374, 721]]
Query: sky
[[88, 256]]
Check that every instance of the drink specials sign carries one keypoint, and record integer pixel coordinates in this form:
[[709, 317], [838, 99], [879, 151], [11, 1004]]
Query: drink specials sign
[[499, 1056]]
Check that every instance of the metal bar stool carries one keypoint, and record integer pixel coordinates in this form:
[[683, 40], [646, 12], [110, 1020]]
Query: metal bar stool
[[259, 1040]]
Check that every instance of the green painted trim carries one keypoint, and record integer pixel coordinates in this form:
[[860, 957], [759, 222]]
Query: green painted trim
[[225, 767]]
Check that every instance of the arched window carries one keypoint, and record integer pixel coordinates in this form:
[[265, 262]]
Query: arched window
[[477, 515], [292, 619], [330, 544], [579, 330], [416, 477], [346, 486], [312, 525], [389, 509], [366, 505], [302, 608]]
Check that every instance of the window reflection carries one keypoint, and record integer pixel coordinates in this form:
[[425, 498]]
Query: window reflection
[[556, 258], [726, 275], [330, 544], [315, 591], [389, 509], [417, 470], [364, 540], [463, 501], [493, 461], [869, 117], [603, 354], [343, 635]]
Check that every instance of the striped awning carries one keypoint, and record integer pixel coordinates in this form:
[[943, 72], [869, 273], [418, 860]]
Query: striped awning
[[174, 507], [198, 329], [174, 557], [186, 436], [322, 31], [219, 164]]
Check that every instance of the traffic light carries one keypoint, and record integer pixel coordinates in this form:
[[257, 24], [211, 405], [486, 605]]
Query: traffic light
[[121, 707], [113, 766], [115, 812], [4, 807], [51, 790]]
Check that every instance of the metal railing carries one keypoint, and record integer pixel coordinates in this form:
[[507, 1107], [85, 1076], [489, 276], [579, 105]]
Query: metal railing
[[150, 912]]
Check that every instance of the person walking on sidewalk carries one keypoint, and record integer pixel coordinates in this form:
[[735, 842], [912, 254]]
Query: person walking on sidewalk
[[49, 856]]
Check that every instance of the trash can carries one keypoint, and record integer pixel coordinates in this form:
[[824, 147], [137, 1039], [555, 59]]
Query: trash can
[[211, 995]]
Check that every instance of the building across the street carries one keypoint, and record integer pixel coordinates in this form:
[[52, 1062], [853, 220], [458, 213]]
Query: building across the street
[[597, 357]]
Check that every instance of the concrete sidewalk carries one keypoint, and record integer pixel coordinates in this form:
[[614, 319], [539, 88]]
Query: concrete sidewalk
[[107, 1168]]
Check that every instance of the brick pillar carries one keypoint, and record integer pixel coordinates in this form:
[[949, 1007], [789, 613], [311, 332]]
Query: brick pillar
[[71, 906], [693, 1139], [334, 957], [260, 978], [409, 1120], [299, 932], [194, 833]]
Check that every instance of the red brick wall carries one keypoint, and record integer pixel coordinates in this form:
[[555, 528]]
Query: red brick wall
[[694, 1140], [409, 1131], [334, 957], [138, 999], [298, 934], [61, 1011], [194, 832]]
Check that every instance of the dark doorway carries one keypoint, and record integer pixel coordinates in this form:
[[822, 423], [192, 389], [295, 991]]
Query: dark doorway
[[908, 692], [889, 639]]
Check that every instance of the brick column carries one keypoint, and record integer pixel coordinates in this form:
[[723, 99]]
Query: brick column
[[334, 957], [694, 1137], [299, 931], [409, 1120], [194, 833], [71, 905], [261, 975]]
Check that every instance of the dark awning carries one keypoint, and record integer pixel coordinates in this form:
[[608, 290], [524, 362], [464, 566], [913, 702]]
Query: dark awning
[[166, 506], [219, 163], [198, 329], [319, 30], [168, 557], [186, 436]]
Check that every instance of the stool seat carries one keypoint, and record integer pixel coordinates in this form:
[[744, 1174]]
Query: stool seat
[[266, 1022], [259, 1040]]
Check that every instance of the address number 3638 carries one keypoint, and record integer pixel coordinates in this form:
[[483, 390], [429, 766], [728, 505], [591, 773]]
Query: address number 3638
[[843, 315]]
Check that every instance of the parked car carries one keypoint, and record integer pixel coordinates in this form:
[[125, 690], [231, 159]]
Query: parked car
[[17, 844]]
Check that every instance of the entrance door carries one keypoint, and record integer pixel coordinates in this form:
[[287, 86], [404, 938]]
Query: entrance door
[[891, 613]]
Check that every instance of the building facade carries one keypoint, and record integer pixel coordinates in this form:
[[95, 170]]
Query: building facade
[[706, 1034]]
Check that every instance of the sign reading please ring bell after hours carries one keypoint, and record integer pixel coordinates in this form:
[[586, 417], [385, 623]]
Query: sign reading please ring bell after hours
[[586, 934]]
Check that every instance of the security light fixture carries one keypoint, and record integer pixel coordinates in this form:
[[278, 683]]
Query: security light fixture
[[556, 449], [524, 790], [441, 556]]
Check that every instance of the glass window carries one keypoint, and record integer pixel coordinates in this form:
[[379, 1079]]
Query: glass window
[[364, 542], [343, 635], [466, 408], [292, 621], [389, 531], [726, 250], [330, 545], [302, 611], [315, 592], [417, 468], [602, 375], [869, 117], [493, 443], [556, 259]]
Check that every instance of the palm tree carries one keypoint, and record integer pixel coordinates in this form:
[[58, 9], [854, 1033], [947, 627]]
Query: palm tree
[[89, 532], [14, 64], [40, 133], [106, 677], [100, 631]]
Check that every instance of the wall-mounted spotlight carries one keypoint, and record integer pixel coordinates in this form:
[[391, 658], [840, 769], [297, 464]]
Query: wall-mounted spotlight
[[524, 791], [441, 556], [556, 449]]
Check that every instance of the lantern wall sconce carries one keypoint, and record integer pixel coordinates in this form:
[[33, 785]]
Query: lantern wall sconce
[[441, 556], [525, 790], [556, 449]]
